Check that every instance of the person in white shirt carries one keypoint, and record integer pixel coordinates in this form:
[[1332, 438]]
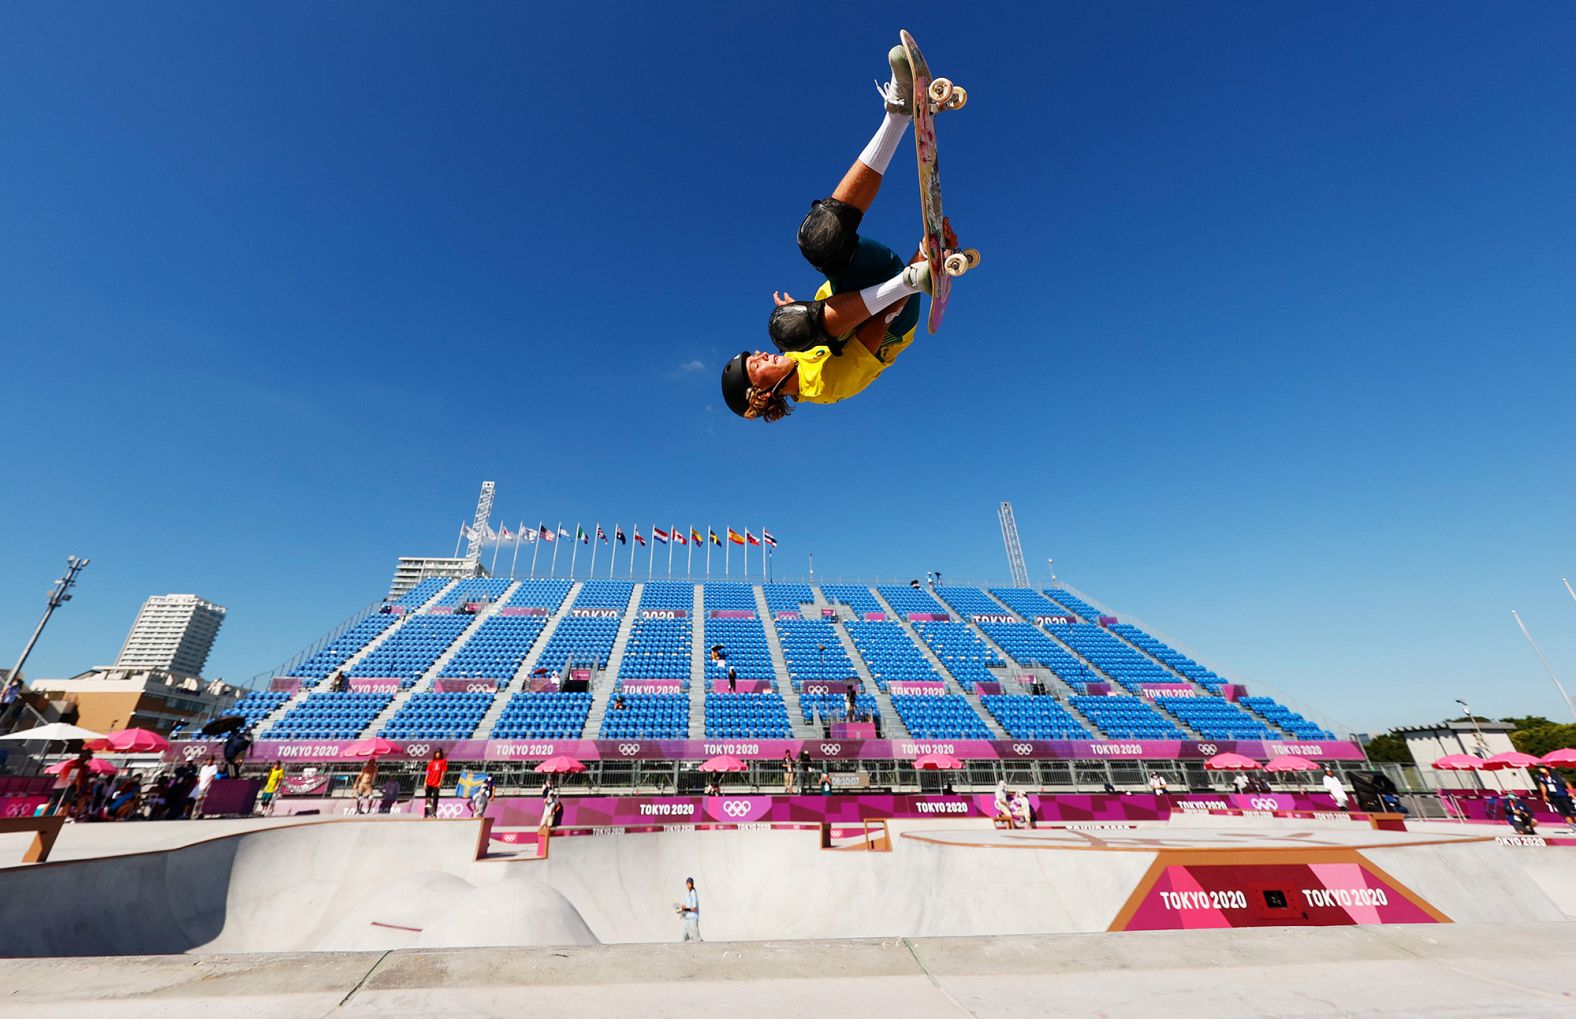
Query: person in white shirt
[[1332, 785], [205, 777], [690, 911], [1022, 813], [1157, 784], [1241, 782], [1002, 806]]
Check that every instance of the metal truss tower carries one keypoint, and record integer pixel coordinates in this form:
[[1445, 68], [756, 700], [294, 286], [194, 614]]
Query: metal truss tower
[[1009, 538], [473, 551]]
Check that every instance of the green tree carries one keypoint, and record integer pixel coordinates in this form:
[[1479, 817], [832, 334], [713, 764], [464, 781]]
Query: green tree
[[1541, 739], [1528, 721], [1390, 748]]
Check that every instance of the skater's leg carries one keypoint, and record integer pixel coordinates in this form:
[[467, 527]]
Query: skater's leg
[[860, 184]]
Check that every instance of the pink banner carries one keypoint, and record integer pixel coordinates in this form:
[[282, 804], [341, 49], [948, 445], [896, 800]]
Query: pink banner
[[741, 686], [1108, 620], [987, 686], [918, 688], [1233, 691], [827, 749], [1056, 619], [288, 684], [730, 614], [875, 617], [515, 610], [929, 617], [454, 684], [1150, 691], [784, 614], [993, 617], [652, 686], [441, 610], [828, 613], [663, 614], [371, 684], [596, 613], [823, 686], [853, 730]]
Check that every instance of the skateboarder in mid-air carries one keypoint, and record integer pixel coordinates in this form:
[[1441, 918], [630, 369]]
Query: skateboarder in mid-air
[[865, 314]]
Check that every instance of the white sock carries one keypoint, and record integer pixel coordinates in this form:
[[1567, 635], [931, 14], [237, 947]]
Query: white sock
[[883, 295], [879, 152]]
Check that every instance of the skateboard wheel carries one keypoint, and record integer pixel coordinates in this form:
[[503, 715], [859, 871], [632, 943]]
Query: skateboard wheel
[[956, 264], [941, 91], [973, 255], [960, 98]]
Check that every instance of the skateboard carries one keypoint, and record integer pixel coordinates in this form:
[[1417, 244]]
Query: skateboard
[[931, 96]]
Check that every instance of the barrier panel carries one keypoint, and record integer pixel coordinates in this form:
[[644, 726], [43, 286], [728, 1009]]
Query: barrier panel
[[455, 684], [918, 688], [818, 749], [652, 686], [369, 684]]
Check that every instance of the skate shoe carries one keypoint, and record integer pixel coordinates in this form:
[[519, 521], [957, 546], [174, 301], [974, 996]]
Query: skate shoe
[[917, 276], [898, 93]]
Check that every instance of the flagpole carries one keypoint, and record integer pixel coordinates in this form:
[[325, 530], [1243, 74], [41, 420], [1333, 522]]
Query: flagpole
[[1546, 668], [652, 558], [497, 544], [515, 559], [766, 557], [574, 555], [612, 551], [536, 546], [727, 552], [709, 533], [459, 538], [632, 544], [670, 553], [595, 537], [689, 557], [556, 536]]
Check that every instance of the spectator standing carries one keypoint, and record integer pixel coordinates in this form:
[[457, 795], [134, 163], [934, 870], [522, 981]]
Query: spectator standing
[[787, 773], [850, 704], [71, 790], [366, 788], [10, 704], [1556, 795], [550, 808], [825, 782], [437, 767], [1241, 782], [733, 680], [1332, 785], [482, 796], [205, 776], [235, 749], [276, 776], [690, 911], [1157, 784], [1001, 807]]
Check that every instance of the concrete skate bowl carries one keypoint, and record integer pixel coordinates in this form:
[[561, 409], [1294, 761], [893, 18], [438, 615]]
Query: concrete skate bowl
[[337, 885]]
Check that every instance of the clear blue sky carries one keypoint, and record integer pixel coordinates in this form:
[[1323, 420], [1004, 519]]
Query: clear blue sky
[[1271, 347]]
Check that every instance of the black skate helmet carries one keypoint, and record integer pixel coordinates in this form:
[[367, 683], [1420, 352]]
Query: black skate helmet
[[736, 384]]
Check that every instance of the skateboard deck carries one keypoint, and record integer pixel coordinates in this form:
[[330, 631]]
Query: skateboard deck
[[935, 247]]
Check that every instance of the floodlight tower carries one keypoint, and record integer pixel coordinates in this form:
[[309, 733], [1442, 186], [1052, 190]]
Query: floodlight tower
[[473, 551], [58, 596], [1009, 537]]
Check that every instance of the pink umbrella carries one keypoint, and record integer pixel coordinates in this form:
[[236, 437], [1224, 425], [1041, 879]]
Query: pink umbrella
[[937, 762], [1231, 762], [131, 741], [1511, 759], [1563, 758], [724, 763], [97, 765], [373, 746], [1458, 762], [559, 764], [1289, 763]]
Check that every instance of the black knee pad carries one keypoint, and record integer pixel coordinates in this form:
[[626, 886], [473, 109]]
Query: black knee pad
[[829, 234], [798, 326]]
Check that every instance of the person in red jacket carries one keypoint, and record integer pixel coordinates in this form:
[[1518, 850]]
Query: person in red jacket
[[436, 769]]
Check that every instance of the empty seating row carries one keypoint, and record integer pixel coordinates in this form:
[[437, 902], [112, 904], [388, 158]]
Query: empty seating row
[[1112, 656], [890, 656], [1033, 717], [437, 716], [419, 595], [540, 594], [344, 647], [812, 650], [543, 716], [658, 649], [969, 601], [496, 649], [746, 716], [413, 648], [1172, 657], [905, 599], [857, 598], [961, 650], [1126, 717], [1278, 714], [787, 597], [254, 707], [946, 717], [329, 716], [1027, 644], [833, 707], [647, 716], [1069, 600], [1214, 718], [1029, 603], [475, 589], [605, 594], [585, 640], [730, 597], [744, 643]]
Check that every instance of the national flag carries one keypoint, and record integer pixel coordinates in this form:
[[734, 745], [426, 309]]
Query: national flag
[[752, 539], [766, 536], [659, 534], [619, 534], [503, 533], [735, 537], [695, 538], [715, 540], [678, 537], [529, 536], [488, 532], [580, 532], [548, 535], [562, 533], [601, 535], [638, 539]]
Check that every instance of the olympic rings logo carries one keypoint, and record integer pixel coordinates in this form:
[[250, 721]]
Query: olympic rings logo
[[831, 749], [417, 749], [1264, 803], [736, 808], [1207, 749], [448, 810], [192, 753], [1023, 749], [629, 749]]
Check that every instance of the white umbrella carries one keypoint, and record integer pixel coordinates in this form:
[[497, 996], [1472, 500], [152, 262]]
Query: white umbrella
[[54, 732]]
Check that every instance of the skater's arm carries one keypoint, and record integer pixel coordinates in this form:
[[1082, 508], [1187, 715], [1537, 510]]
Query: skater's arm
[[841, 314]]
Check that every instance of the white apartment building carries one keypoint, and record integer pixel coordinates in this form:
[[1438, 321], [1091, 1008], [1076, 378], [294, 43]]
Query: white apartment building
[[412, 570], [173, 633]]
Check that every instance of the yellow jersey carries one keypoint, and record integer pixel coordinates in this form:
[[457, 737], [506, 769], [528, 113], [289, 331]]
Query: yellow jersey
[[824, 378]]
